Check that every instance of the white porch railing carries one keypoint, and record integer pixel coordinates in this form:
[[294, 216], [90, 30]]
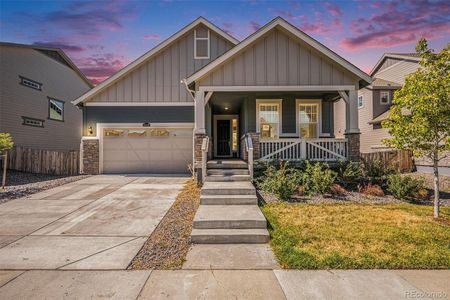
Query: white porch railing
[[249, 149], [205, 146], [301, 149]]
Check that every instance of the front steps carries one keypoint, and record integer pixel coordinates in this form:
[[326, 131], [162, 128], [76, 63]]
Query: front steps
[[228, 212]]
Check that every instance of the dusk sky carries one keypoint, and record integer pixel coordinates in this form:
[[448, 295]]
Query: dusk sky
[[102, 37]]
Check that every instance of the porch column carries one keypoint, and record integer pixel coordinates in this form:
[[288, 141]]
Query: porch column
[[200, 112], [352, 125]]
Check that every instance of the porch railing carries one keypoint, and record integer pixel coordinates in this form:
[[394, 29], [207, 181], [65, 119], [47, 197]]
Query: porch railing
[[301, 149], [205, 146], [249, 150]]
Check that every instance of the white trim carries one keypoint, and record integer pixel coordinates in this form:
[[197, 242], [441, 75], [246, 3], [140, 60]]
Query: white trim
[[278, 102], [271, 88], [319, 115], [202, 39], [388, 96], [293, 30], [139, 104], [101, 126], [208, 96], [224, 117], [138, 62]]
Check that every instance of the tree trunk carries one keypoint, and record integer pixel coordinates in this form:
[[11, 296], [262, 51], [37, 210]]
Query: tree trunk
[[436, 185], [5, 165]]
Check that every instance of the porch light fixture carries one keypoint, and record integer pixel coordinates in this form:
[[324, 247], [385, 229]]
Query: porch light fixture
[[90, 130], [226, 107]]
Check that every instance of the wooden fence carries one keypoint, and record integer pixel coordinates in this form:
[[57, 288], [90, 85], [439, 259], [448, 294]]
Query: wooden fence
[[401, 158], [44, 161]]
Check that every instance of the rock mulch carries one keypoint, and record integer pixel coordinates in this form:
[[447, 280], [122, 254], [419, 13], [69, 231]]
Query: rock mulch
[[19, 184], [168, 245]]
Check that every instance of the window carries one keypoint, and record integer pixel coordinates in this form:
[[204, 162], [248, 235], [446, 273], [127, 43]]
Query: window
[[113, 132], [201, 43], [32, 122], [30, 83], [385, 97], [55, 109], [308, 116], [269, 119], [376, 126], [360, 101], [137, 133]]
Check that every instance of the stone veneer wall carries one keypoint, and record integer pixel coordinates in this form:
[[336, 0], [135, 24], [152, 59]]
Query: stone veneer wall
[[256, 146], [353, 146], [91, 157], [198, 140]]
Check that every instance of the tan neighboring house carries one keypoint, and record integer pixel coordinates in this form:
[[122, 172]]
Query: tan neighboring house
[[36, 87], [375, 99]]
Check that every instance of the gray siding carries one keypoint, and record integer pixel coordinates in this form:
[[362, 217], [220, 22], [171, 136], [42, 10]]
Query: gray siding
[[379, 108], [59, 82], [388, 62], [399, 72], [279, 60], [133, 114], [158, 80]]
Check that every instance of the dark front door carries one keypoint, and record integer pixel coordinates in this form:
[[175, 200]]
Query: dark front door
[[223, 137]]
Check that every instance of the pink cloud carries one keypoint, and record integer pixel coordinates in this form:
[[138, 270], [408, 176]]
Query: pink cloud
[[254, 26], [99, 67], [152, 37], [319, 25], [333, 9]]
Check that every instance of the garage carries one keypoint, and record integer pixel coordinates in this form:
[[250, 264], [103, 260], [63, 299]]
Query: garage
[[158, 150]]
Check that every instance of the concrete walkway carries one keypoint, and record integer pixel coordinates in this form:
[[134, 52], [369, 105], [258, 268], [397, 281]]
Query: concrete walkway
[[96, 223]]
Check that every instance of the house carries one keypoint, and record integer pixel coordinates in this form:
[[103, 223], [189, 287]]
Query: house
[[36, 87], [201, 94]]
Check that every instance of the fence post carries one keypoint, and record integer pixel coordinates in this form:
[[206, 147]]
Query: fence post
[[303, 149], [5, 166]]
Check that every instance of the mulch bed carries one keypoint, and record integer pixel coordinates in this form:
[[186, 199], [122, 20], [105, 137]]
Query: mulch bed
[[168, 245], [20, 184]]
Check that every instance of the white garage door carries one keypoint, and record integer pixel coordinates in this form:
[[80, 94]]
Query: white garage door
[[149, 150]]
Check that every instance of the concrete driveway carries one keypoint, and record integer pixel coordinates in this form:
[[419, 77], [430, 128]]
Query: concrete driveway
[[96, 223]]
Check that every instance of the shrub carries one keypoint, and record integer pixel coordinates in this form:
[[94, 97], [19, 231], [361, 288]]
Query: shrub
[[337, 189], [348, 172], [376, 170], [372, 190], [405, 187], [317, 178], [281, 182]]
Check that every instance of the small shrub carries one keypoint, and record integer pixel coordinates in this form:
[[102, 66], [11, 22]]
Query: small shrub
[[422, 194], [337, 189], [317, 178], [300, 190], [405, 187], [372, 190], [281, 182], [348, 172], [376, 170]]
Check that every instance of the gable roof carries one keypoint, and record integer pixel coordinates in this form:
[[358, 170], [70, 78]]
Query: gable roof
[[402, 56], [138, 62], [60, 56], [278, 21]]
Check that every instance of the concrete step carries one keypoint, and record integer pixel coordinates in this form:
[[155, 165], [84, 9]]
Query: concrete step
[[227, 172], [227, 178], [230, 236], [227, 164], [229, 217], [229, 188], [228, 200]]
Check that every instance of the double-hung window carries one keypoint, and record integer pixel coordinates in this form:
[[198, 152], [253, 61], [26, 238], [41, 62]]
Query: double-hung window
[[201, 43], [385, 97], [268, 115], [360, 101], [308, 118]]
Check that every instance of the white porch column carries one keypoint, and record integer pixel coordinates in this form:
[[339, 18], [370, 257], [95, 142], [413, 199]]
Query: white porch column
[[351, 109], [199, 112]]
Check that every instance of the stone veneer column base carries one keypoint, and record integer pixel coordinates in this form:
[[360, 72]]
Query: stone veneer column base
[[256, 146], [353, 146], [91, 156], [198, 140]]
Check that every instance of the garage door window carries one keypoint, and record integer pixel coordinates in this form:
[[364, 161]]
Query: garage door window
[[114, 132], [137, 133], [159, 132]]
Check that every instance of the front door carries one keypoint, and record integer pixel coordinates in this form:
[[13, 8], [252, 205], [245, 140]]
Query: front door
[[223, 137]]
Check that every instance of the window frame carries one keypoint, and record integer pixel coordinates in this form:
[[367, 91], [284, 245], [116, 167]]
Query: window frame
[[362, 101], [317, 102], [23, 78], [277, 102], [49, 99], [388, 98], [24, 118], [202, 39]]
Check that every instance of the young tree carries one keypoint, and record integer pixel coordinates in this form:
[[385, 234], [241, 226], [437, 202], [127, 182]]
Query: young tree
[[6, 143], [419, 118]]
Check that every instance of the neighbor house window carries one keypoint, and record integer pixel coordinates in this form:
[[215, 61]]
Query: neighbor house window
[[32, 122], [55, 109], [30, 83], [308, 116], [360, 101], [385, 97], [269, 119], [201, 43]]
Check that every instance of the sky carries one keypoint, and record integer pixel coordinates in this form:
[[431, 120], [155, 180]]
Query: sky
[[101, 37]]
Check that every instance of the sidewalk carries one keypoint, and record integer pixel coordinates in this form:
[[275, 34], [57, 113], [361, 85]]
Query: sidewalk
[[226, 284]]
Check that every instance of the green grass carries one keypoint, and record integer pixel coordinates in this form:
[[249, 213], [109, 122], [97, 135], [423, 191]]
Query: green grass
[[357, 236]]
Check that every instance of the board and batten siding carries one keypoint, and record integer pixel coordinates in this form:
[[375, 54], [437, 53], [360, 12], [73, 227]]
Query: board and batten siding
[[278, 59], [158, 79], [398, 72]]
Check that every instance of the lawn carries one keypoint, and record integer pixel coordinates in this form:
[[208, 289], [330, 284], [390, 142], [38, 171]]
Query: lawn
[[358, 236]]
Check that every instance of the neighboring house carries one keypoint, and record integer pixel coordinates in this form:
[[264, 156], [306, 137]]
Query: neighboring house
[[36, 87], [375, 99], [275, 89]]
